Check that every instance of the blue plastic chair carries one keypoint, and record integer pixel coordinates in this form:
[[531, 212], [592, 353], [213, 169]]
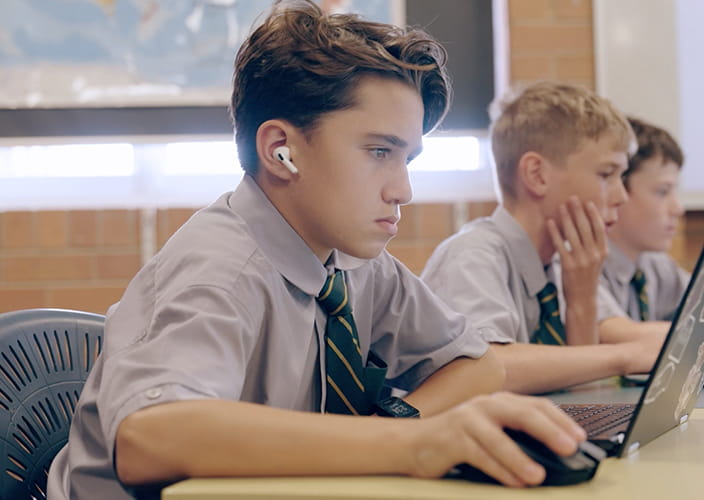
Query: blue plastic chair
[[45, 358]]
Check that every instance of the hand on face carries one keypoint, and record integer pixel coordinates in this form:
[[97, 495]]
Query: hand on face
[[473, 433], [579, 237]]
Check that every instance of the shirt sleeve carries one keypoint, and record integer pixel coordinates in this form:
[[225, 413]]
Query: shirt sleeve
[[474, 282], [671, 284], [413, 330], [606, 304], [193, 346]]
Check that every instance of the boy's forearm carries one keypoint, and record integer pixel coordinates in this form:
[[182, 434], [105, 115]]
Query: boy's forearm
[[209, 438], [458, 381], [580, 321], [620, 329], [536, 369]]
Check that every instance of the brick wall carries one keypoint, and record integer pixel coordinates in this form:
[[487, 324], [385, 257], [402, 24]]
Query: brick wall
[[551, 39], [84, 259], [73, 259]]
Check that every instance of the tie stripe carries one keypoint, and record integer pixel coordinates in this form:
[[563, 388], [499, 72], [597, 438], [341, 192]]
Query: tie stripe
[[550, 329], [341, 306], [342, 358], [639, 284], [547, 298], [327, 288], [352, 333], [346, 392], [331, 383]]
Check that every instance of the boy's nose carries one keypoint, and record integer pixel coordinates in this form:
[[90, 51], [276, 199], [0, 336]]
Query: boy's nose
[[398, 190]]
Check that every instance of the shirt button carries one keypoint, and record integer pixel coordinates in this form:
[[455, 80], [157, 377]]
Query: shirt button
[[153, 393]]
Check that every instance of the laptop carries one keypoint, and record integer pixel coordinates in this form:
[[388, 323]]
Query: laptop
[[671, 391]]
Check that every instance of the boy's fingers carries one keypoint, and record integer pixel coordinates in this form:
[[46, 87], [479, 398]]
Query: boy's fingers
[[598, 227], [558, 240], [583, 223], [569, 229], [496, 454], [485, 461], [536, 416]]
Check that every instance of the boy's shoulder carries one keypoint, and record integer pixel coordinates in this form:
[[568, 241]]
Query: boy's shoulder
[[477, 243], [657, 259], [660, 264], [492, 236], [214, 247]]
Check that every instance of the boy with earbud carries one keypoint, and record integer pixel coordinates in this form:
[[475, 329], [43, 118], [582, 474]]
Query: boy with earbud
[[257, 341], [560, 151], [644, 280]]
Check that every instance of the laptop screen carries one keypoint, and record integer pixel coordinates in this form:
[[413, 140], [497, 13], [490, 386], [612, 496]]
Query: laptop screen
[[678, 375]]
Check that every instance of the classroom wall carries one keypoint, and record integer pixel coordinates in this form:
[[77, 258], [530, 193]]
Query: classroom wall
[[84, 259]]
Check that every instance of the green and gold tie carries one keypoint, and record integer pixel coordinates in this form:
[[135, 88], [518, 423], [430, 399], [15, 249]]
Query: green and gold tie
[[640, 286], [550, 329], [343, 358]]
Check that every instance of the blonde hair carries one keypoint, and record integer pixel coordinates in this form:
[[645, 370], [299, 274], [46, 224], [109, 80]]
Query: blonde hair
[[554, 120]]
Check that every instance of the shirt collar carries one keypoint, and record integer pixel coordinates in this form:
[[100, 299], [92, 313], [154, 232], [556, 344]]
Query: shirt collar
[[286, 250], [522, 251], [619, 265]]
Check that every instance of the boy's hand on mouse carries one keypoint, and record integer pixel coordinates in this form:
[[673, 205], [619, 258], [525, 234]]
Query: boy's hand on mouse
[[473, 433], [581, 242]]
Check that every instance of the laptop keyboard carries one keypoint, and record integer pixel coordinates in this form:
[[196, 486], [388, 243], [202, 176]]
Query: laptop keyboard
[[599, 418]]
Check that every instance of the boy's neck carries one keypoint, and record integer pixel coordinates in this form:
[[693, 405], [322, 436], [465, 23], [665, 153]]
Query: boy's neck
[[626, 249], [531, 219]]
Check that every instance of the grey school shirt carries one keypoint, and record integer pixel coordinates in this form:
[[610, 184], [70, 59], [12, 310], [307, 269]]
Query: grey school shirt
[[666, 282], [227, 310], [491, 272]]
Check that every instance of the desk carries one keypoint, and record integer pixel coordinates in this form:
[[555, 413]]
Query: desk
[[667, 468]]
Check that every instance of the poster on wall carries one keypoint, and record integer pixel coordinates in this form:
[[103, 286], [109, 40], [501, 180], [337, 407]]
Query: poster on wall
[[132, 53]]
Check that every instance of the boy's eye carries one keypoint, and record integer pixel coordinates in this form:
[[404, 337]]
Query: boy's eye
[[380, 153]]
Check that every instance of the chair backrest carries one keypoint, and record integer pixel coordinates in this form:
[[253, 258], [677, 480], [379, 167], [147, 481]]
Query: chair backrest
[[45, 358]]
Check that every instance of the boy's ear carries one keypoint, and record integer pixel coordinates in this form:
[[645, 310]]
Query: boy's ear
[[273, 134], [533, 173]]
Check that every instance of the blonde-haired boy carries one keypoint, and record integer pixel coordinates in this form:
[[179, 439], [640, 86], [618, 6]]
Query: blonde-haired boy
[[560, 151]]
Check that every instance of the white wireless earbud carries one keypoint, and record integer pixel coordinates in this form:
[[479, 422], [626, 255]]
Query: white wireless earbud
[[283, 154]]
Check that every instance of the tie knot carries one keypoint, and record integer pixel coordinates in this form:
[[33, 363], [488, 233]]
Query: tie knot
[[548, 293], [638, 279], [548, 298], [333, 296]]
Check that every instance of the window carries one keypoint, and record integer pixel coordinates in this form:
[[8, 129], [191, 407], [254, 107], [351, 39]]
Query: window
[[193, 174]]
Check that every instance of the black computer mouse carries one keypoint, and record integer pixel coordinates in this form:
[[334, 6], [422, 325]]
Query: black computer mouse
[[559, 471]]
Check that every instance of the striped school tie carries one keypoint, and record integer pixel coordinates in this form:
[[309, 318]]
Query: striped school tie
[[550, 329], [640, 286], [344, 371]]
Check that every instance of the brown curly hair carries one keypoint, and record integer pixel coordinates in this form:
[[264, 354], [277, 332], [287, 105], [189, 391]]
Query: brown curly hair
[[301, 63], [653, 142]]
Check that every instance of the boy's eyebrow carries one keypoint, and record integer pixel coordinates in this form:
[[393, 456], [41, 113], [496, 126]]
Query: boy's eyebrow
[[391, 139], [394, 140]]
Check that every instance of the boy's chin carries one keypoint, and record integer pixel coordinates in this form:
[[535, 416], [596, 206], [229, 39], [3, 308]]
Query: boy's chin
[[368, 252], [663, 245]]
